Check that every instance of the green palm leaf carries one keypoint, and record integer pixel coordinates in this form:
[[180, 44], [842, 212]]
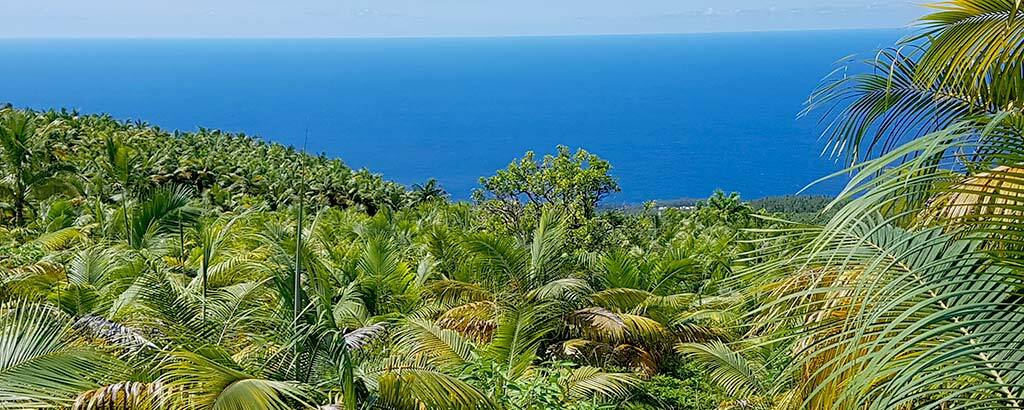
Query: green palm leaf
[[588, 382], [728, 368], [518, 337], [443, 347], [215, 382], [412, 384], [43, 363]]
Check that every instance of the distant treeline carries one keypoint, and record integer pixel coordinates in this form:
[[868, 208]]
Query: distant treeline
[[792, 204], [798, 208], [99, 154]]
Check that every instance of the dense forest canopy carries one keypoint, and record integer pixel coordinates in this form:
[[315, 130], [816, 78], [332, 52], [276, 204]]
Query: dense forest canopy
[[141, 269], [95, 155]]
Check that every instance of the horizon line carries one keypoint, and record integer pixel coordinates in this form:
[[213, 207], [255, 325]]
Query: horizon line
[[456, 36]]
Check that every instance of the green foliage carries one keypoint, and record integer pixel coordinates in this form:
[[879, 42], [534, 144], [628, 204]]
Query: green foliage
[[572, 183], [554, 385], [906, 297], [400, 309], [810, 209], [670, 393], [43, 361], [230, 171], [175, 271], [792, 204], [28, 158]]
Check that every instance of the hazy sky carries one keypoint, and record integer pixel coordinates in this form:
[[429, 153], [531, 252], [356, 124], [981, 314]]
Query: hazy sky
[[359, 18]]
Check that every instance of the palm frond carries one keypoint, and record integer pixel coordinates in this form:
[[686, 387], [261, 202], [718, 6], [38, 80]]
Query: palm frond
[[215, 382], [518, 337], [360, 337], [974, 44], [159, 214], [43, 363], [402, 383], [451, 292], [443, 347], [501, 257], [870, 113], [727, 368], [588, 382], [546, 250], [894, 309], [565, 289], [622, 299], [122, 395], [61, 239], [599, 323], [476, 320]]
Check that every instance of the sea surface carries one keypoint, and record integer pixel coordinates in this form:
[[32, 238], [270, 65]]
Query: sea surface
[[676, 115]]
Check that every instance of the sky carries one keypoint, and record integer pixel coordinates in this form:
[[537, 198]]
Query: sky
[[422, 18]]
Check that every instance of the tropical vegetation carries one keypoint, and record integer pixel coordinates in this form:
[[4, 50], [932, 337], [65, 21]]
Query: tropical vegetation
[[144, 269]]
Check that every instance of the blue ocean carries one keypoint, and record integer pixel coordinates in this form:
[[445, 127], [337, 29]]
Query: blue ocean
[[677, 115]]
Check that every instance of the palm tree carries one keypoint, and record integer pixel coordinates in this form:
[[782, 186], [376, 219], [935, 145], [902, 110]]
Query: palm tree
[[909, 296], [158, 216], [121, 165], [430, 190], [509, 300], [33, 175], [640, 306]]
